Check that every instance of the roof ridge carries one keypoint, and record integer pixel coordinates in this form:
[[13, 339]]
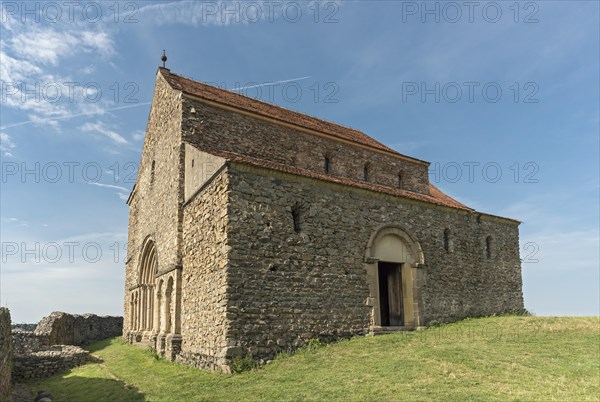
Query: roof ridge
[[443, 200], [326, 127], [272, 104]]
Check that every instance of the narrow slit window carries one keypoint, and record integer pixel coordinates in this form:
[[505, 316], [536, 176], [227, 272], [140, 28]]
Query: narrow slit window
[[296, 220], [400, 183], [366, 172], [488, 247], [327, 164], [447, 240], [152, 169]]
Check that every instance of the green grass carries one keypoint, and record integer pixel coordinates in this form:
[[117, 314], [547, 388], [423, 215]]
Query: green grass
[[496, 358]]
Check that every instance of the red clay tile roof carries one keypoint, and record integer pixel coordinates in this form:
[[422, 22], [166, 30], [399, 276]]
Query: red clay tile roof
[[214, 94], [435, 197]]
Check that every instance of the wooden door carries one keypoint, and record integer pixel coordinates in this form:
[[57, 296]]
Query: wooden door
[[390, 294]]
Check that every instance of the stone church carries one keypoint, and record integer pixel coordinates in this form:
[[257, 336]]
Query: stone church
[[254, 228]]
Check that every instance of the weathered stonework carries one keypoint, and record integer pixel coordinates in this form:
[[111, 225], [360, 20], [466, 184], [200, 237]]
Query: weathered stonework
[[287, 287], [27, 342], [40, 364], [51, 348], [205, 322], [254, 229], [215, 129], [157, 209], [6, 355], [74, 329]]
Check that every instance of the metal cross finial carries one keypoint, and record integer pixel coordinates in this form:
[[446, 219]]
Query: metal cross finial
[[164, 58]]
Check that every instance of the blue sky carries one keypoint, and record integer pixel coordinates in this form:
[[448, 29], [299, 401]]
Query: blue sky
[[503, 100]]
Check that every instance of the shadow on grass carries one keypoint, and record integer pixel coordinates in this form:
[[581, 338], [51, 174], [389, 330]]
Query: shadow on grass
[[96, 346], [83, 389], [89, 382]]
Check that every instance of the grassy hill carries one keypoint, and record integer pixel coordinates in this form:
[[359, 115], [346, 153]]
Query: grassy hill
[[496, 358]]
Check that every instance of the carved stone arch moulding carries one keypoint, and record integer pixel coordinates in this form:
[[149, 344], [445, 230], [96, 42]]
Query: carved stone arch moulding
[[392, 243], [415, 251]]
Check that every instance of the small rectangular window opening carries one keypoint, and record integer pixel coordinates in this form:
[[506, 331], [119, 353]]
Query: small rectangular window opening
[[296, 220]]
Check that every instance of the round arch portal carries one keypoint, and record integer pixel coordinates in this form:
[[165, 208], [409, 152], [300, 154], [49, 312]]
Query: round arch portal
[[394, 263]]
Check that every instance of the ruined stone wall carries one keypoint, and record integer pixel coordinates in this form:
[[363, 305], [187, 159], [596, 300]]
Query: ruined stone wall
[[204, 322], [287, 287], [6, 354], [50, 349], [215, 129], [53, 360], [155, 206], [27, 342], [72, 329]]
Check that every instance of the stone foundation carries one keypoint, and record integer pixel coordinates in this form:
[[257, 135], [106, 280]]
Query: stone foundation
[[203, 361]]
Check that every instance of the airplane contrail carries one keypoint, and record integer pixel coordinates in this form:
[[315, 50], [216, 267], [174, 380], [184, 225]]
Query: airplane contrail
[[271, 83], [22, 123]]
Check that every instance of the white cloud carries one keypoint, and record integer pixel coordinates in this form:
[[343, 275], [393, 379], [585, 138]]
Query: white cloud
[[44, 46], [138, 135], [13, 70], [99, 128], [575, 250], [6, 144], [49, 45], [88, 70], [98, 41], [29, 54], [16, 221]]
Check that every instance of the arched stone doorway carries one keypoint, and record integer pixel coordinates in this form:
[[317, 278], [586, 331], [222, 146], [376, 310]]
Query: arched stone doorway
[[395, 274]]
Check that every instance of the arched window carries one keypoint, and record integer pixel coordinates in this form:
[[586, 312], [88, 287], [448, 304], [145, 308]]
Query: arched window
[[327, 163], [148, 263], [366, 172], [400, 178], [488, 247], [148, 268]]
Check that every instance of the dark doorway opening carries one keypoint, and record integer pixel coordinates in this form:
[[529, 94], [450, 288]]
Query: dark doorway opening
[[390, 294]]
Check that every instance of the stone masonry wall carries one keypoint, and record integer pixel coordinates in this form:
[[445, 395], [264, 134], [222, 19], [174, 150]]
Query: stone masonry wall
[[6, 354], [40, 364], [27, 342], [204, 321], [72, 329], [155, 207], [286, 287], [211, 128]]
